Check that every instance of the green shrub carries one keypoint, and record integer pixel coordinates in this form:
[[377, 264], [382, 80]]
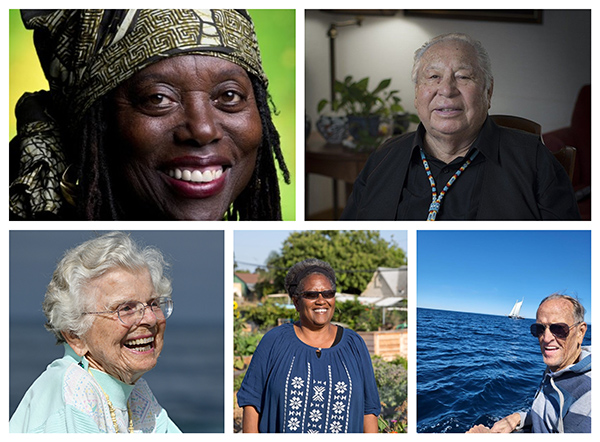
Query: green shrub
[[266, 315], [391, 381], [357, 316]]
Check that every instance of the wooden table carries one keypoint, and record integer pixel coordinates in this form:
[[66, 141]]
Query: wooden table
[[334, 161]]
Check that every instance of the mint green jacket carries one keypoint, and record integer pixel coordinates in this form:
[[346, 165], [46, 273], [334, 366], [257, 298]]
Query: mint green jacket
[[67, 398]]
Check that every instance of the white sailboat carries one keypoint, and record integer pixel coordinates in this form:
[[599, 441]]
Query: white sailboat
[[516, 310]]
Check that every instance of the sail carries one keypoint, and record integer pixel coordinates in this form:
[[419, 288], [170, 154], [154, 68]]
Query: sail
[[516, 310]]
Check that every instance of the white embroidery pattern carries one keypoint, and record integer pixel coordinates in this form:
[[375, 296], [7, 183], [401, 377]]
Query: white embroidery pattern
[[285, 399], [314, 405], [318, 393]]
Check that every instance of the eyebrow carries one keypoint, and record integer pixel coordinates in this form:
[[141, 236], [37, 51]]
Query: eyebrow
[[234, 71], [122, 300], [437, 67]]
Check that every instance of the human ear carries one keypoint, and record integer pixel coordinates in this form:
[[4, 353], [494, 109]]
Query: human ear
[[581, 330], [76, 343], [490, 91]]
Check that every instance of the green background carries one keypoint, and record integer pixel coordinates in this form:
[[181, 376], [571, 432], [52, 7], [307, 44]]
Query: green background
[[276, 31]]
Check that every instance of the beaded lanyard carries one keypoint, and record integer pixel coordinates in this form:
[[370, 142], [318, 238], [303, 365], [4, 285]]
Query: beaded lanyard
[[436, 200]]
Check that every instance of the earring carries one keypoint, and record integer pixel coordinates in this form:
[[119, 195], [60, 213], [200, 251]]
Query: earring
[[68, 189]]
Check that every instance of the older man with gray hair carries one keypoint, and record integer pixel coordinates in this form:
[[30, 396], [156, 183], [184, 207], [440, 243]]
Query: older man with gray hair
[[563, 402], [459, 164]]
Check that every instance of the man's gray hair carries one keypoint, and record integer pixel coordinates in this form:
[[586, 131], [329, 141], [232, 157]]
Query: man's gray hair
[[578, 309], [483, 57], [66, 296]]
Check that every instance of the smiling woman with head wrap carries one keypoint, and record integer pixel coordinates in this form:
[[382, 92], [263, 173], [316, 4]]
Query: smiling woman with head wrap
[[151, 114]]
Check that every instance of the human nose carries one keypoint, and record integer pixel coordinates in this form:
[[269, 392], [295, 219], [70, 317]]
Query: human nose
[[148, 315], [321, 299], [547, 336], [201, 125], [447, 86]]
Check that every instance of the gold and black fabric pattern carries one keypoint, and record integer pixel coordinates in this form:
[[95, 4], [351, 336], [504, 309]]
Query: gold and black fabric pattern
[[36, 191], [86, 53]]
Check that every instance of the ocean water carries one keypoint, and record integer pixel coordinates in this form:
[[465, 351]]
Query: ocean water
[[188, 380], [474, 369]]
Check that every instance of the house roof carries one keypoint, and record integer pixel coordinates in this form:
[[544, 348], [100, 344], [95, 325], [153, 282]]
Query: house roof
[[395, 278], [387, 282], [248, 278]]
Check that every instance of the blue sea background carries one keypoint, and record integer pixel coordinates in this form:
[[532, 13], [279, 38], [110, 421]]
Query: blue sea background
[[474, 369]]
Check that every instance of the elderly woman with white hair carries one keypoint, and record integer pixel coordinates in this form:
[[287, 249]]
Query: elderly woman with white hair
[[459, 164], [107, 304]]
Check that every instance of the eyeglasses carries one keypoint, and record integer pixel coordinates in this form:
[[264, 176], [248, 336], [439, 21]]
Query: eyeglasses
[[312, 295], [131, 313], [560, 330]]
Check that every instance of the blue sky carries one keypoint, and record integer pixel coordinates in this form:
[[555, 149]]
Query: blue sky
[[253, 246], [487, 271]]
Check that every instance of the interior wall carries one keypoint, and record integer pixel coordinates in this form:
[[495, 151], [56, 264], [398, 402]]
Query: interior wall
[[538, 68]]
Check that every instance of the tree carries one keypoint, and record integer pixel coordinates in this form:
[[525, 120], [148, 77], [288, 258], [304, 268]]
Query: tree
[[354, 255]]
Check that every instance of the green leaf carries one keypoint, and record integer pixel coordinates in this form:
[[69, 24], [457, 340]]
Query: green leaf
[[322, 105], [382, 85]]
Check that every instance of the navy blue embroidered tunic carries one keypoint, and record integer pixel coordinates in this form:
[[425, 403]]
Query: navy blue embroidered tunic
[[297, 388]]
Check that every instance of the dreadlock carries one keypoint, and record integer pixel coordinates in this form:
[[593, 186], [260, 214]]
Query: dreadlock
[[260, 200], [95, 195]]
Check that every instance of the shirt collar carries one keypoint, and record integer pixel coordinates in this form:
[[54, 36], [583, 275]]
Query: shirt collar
[[117, 391], [485, 142]]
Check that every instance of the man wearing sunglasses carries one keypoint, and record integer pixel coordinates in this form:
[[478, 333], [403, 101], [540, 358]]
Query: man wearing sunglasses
[[563, 401]]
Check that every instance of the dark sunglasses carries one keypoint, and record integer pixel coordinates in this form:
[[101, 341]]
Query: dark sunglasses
[[560, 330], [327, 294]]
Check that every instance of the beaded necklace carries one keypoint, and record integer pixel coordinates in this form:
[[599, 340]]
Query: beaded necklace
[[436, 200], [113, 414]]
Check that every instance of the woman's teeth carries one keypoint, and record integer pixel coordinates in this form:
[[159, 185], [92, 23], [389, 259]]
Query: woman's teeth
[[143, 344], [195, 176]]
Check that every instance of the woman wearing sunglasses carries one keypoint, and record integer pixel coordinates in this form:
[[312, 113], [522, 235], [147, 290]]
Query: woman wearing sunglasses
[[107, 304], [311, 376], [562, 403]]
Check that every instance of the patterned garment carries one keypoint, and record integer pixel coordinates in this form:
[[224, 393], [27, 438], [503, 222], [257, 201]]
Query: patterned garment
[[317, 405], [85, 54], [295, 390], [68, 398], [563, 403]]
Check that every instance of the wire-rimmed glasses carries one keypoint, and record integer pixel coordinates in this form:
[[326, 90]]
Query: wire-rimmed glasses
[[131, 313]]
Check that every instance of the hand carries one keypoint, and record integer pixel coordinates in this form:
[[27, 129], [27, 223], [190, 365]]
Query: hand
[[504, 425], [480, 429], [507, 424]]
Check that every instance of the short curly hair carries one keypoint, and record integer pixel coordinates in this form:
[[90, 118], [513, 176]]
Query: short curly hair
[[300, 271], [66, 296]]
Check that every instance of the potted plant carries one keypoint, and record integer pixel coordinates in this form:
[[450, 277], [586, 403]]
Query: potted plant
[[370, 113], [334, 126]]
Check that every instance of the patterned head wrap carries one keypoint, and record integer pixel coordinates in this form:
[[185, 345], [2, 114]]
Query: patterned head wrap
[[86, 53]]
